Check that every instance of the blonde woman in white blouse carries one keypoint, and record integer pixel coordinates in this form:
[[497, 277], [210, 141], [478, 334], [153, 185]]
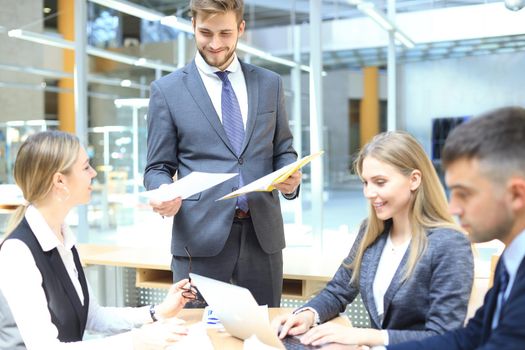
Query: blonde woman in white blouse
[[44, 296]]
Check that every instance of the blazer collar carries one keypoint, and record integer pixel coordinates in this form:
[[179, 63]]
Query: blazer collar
[[396, 283], [369, 265], [368, 272], [252, 85], [197, 90]]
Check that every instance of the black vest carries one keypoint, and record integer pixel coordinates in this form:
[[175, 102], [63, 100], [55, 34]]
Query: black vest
[[67, 312]]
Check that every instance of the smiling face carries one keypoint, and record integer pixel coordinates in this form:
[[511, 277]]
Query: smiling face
[[78, 180], [388, 190], [216, 37], [481, 206]]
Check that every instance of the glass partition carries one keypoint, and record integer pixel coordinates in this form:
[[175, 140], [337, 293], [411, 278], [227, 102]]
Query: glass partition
[[12, 135]]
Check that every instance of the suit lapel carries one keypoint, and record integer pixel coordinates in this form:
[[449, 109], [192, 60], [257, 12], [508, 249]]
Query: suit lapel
[[396, 282], [490, 305], [252, 87], [60, 271], [369, 266], [193, 82]]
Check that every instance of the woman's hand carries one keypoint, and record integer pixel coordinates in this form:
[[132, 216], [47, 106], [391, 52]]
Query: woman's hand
[[174, 301], [158, 335], [293, 324], [335, 333]]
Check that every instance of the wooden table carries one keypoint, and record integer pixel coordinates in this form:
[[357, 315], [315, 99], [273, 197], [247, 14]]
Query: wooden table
[[305, 271], [223, 340]]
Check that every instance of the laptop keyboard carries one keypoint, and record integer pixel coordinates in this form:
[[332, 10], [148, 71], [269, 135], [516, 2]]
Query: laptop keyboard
[[294, 343]]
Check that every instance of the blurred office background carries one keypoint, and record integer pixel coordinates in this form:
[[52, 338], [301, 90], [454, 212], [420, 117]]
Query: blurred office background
[[351, 69]]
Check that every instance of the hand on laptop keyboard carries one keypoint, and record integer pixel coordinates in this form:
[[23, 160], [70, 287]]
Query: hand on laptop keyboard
[[293, 324]]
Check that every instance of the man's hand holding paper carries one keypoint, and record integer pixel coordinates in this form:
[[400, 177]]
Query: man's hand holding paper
[[291, 183], [285, 179], [167, 199], [166, 208]]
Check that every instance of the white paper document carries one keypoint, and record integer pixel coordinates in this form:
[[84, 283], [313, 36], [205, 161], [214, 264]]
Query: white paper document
[[187, 186]]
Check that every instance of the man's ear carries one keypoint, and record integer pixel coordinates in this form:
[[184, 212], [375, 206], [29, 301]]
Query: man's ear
[[193, 24], [516, 188], [242, 26], [415, 179]]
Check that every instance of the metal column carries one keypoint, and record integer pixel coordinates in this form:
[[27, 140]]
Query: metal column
[[316, 120], [81, 100], [391, 71], [297, 107]]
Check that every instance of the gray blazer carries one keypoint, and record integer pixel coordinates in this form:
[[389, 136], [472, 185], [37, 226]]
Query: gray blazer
[[433, 300], [185, 134]]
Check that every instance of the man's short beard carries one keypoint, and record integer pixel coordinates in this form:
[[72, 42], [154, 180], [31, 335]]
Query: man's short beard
[[202, 53]]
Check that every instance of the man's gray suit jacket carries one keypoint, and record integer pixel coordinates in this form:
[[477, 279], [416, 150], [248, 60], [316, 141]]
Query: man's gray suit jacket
[[185, 134], [433, 300]]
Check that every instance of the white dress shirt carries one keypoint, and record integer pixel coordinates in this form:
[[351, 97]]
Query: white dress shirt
[[213, 84], [21, 285], [388, 264]]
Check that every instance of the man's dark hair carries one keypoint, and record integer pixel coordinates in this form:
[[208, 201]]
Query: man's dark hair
[[496, 139]]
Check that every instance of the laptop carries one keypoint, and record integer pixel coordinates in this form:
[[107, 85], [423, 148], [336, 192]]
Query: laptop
[[240, 314]]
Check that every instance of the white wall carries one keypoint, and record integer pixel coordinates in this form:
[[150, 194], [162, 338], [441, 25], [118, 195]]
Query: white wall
[[339, 86], [457, 87], [426, 90]]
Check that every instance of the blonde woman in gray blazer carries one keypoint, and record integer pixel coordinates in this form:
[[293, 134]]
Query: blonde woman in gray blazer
[[412, 265]]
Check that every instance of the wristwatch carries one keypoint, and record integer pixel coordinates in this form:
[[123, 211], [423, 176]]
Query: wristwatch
[[152, 313]]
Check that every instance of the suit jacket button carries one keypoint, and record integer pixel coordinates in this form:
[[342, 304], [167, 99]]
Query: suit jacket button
[[241, 160]]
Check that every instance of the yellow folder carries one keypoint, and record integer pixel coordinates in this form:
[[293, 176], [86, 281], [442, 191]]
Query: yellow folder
[[267, 183]]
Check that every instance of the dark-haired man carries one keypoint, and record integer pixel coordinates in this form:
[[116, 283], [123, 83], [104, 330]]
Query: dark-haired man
[[484, 161]]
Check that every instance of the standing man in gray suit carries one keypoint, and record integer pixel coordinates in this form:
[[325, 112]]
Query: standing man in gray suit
[[221, 115]]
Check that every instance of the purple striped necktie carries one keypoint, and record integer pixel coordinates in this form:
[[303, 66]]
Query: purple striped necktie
[[233, 125]]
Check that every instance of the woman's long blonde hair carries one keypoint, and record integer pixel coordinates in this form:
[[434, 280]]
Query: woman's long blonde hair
[[428, 207], [39, 158]]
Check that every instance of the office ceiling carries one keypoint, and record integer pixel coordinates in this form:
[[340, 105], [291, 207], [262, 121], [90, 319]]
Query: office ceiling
[[266, 13], [355, 59], [271, 13], [274, 13]]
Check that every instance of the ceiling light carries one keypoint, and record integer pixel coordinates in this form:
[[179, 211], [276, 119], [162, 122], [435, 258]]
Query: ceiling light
[[514, 5], [140, 62], [93, 51], [132, 102], [125, 83], [369, 9], [131, 9], [177, 23], [41, 39], [47, 10], [403, 39]]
